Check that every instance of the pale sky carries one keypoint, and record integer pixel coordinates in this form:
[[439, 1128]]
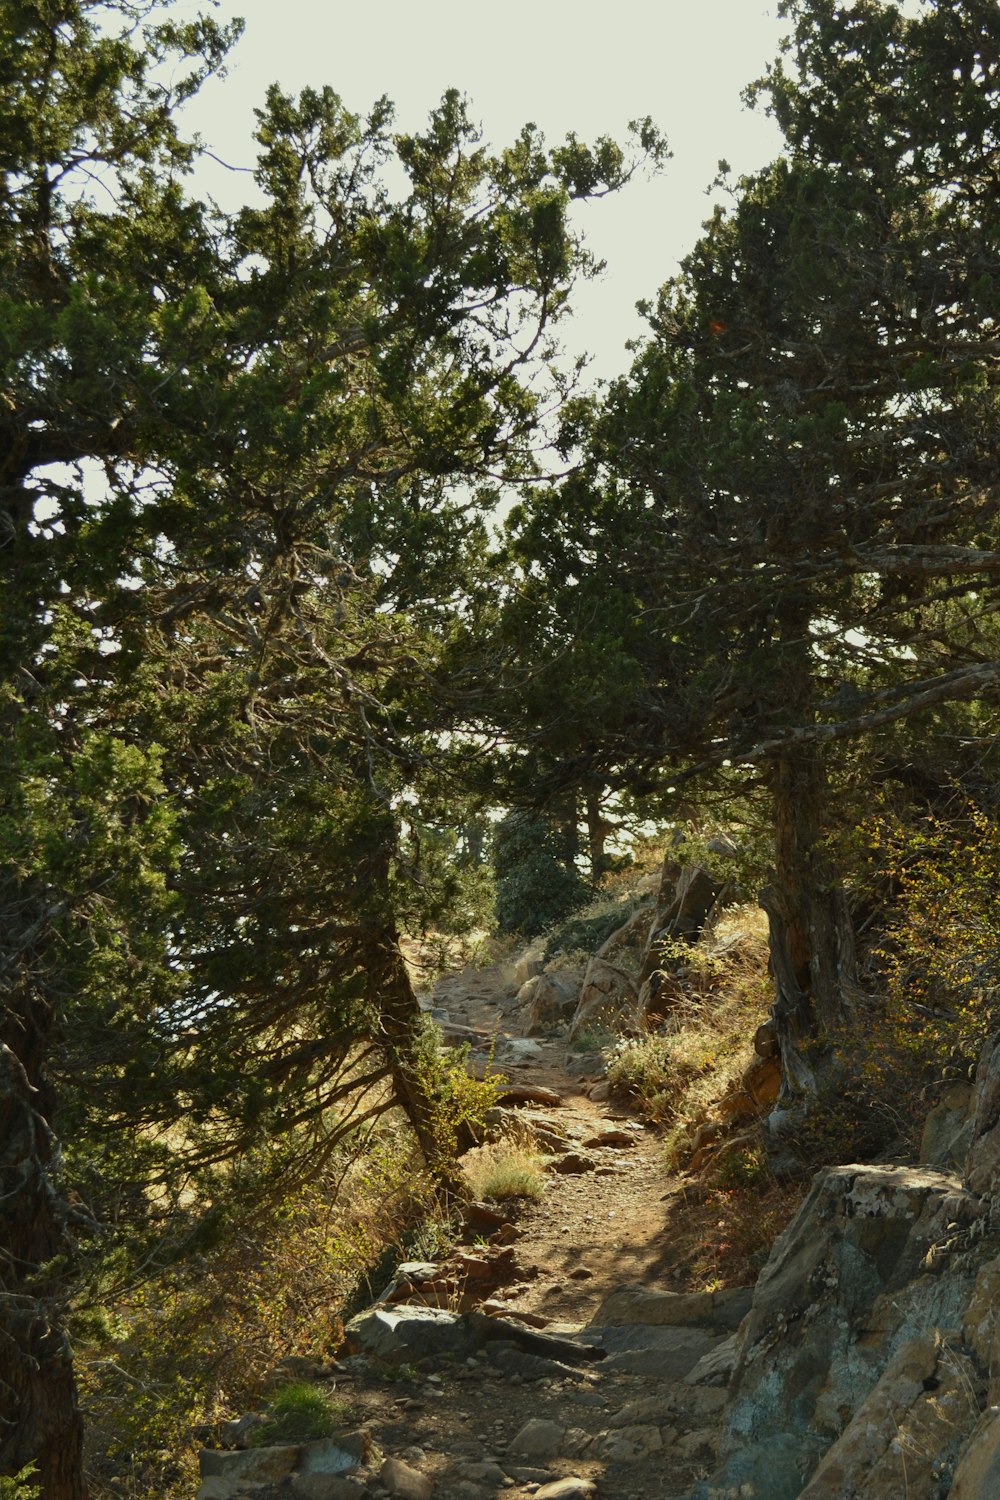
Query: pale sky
[[567, 67]]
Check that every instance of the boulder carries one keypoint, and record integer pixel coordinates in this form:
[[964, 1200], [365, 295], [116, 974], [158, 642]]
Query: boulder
[[404, 1482], [571, 1488], [716, 1367], [846, 1287], [982, 1163], [530, 963], [608, 999], [654, 1308], [538, 1438], [981, 1327], [629, 1445], [666, 1352], [627, 944], [683, 906], [250, 1465], [335, 1455], [547, 1000], [404, 1334], [519, 1052]]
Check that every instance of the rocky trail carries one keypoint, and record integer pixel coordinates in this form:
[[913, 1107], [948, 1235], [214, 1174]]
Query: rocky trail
[[558, 1362], [555, 1352]]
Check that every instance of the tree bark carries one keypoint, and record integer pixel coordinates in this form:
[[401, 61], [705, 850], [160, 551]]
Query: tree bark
[[40, 1419], [598, 829], [812, 943]]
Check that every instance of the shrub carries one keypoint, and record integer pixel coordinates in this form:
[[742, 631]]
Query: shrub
[[19, 1486], [583, 934], [188, 1350], [460, 1100], [676, 1074]]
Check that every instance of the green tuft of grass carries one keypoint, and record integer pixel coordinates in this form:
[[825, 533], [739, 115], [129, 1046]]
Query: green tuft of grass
[[299, 1413]]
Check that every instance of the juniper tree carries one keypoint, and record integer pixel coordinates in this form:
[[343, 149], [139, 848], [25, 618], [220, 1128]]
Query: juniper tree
[[784, 536], [243, 456]]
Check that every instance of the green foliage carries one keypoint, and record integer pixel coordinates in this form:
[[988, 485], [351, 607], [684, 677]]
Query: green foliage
[[586, 934], [20, 1486], [300, 1412], [675, 1074], [241, 521], [537, 884], [940, 948], [190, 1349], [459, 1100]]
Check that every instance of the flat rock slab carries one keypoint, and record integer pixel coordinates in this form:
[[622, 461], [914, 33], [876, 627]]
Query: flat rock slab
[[667, 1353], [655, 1308], [403, 1334], [256, 1465]]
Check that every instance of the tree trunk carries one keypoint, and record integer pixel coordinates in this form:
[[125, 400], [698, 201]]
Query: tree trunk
[[812, 946], [40, 1420], [400, 1022], [598, 829]]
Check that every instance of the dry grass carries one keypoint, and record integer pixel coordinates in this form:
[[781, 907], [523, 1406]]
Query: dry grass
[[722, 1237], [705, 1042], [504, 1169]]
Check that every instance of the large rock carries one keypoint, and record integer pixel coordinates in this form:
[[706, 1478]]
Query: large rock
[[844, 1289], [627, 944], [609, 999], [683, 905], [904, 1439], [404, 1482], [982, 1164], [404, 1334], [531, 962], [947, 1132], [666, 1352], [538, 1439], [547, 1000], [250, 1465]]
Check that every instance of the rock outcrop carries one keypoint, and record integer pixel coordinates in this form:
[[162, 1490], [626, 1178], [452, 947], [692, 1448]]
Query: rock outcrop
[[868, 1366]]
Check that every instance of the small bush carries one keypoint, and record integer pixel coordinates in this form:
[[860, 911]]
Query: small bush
[[299, 1413], [460, 1099], [504, 1170], [674, 1075]]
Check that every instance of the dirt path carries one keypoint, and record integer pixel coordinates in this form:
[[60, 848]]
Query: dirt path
[[594, 1229]]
